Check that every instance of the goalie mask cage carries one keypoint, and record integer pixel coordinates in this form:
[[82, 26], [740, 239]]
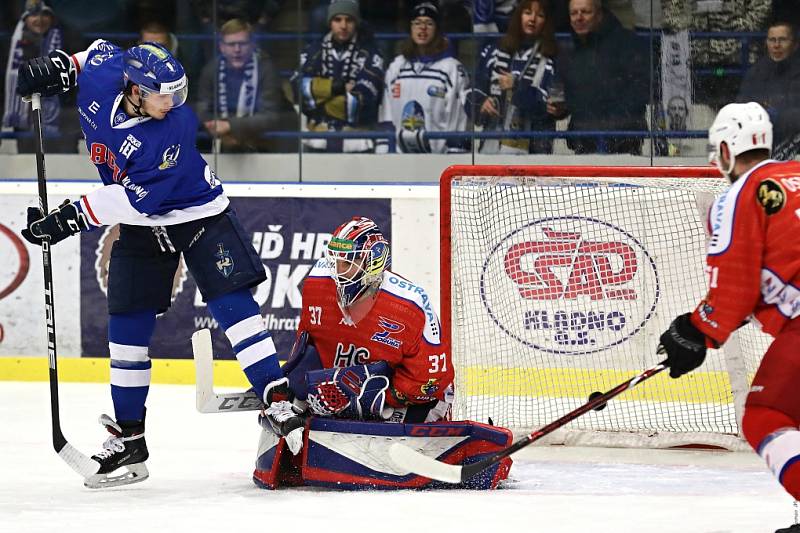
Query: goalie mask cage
[[557, 281]]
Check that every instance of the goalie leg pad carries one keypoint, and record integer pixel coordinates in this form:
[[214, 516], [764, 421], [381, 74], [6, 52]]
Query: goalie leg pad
[[352, 455], [275, 465]]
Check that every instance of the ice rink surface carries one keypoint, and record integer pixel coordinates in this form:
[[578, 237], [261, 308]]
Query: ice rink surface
[[200, 469]]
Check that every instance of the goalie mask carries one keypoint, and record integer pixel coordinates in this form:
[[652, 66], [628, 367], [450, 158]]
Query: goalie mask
[[359, 255], [742, 127]]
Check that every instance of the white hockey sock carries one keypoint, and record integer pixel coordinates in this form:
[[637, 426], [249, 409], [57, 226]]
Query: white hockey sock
[[780, 449]]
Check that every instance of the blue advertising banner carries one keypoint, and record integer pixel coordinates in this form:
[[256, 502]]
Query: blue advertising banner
[[290, 234]]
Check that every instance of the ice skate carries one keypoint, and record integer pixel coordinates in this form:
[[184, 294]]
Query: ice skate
[[791, 529], [125, 448]]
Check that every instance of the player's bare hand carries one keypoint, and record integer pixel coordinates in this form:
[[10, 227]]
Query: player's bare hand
[[489, 107], [505, 80]]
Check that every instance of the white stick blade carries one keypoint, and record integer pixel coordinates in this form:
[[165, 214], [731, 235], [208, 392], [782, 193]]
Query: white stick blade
[[203, 367], [420, 464], [206, 399], [81, 464]]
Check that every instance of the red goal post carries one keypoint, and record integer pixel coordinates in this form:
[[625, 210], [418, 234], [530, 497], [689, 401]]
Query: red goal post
[[556, 282]]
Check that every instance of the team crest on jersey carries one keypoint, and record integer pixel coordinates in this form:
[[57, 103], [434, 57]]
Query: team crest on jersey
[[771, 196], [119, 118], [224, 261], [170, 157], [430, 388], [98, 59], [436, 91], [388, 328], [413, 116], [350, 356]]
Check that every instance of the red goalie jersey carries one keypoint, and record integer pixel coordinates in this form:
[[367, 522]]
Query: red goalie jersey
[[401, 328], [753, 259]]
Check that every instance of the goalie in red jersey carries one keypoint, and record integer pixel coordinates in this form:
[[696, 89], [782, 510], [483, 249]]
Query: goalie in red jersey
[[368, 345], [369, 367], [753, 264]]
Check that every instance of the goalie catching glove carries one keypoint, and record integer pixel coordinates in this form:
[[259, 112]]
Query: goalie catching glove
[[61, 223], [684, 345], [49, 75]]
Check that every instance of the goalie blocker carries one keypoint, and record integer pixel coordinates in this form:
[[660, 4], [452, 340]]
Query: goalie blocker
[[350, 455]]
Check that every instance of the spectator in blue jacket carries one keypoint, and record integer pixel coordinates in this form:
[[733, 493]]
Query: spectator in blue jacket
[[516, 87]]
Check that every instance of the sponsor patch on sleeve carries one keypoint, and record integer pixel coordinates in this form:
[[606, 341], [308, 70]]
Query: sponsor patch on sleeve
[[771, 196]]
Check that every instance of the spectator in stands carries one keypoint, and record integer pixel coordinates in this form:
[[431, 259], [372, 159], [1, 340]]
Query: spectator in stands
[[36, 34], [606, 81], [774, 82], [716, 16], [239, 95], [426, 88], [514, 81], [156, 32], [339, 81]]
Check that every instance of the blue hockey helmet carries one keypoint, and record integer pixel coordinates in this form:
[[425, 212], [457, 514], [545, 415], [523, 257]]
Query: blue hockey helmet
[[359, 255], [155, 71]]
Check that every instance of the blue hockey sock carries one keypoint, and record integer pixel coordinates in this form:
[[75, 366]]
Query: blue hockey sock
[[239, 316], [128, 340]]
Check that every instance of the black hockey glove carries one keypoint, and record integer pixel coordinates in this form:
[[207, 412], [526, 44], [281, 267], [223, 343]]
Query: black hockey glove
[[685, 346], [50, 75], [61, 223]]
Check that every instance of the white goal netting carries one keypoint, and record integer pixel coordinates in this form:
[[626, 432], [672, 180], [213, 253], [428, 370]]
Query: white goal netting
[[561, 286]]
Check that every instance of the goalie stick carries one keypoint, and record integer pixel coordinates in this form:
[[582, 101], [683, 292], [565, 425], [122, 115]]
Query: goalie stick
[[209, 401], [419, 463], [80, 463]]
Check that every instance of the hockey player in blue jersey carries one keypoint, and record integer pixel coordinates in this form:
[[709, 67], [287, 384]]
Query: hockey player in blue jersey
[[168, 202]]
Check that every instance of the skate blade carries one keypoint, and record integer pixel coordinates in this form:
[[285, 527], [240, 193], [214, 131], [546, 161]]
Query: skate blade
[[135, 473]]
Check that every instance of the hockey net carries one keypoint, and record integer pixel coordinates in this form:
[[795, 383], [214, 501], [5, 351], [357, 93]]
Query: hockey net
[[558, 281]]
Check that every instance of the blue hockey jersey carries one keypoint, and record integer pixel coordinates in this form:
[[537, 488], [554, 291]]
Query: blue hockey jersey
[[152, 171]]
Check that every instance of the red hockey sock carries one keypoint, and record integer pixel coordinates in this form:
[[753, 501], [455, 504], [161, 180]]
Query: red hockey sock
[[781, 450]]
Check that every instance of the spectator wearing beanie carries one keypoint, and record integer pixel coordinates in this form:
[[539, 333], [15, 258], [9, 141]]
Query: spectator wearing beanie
[[339, 81]]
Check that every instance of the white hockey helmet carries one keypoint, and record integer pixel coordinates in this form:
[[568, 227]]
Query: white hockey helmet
[[742, 127]]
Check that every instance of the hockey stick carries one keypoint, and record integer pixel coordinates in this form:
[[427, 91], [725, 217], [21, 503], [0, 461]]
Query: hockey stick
[[80, 463], [209, 401], [418, 463]]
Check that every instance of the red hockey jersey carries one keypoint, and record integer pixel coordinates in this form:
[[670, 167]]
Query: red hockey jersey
[[401, 328], [753, 261]]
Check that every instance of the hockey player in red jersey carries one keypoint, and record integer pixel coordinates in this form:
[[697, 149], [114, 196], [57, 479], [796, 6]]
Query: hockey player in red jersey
[[369, 360], [357, 313], [753, 264]]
